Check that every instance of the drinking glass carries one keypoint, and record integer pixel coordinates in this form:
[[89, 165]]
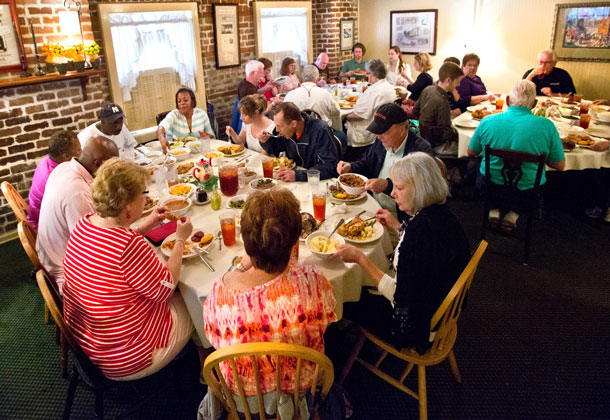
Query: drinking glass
[[313, 179], [205, 145], [319, 205], [585, 119], [227, 226], [499, 104], [268, 167], [227, 174]]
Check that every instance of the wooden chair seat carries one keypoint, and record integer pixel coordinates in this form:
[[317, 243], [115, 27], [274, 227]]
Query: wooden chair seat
[[15, 201], [443, 322]]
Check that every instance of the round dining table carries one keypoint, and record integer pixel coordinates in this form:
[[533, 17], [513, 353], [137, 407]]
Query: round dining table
[[577, 159], [196, 279]]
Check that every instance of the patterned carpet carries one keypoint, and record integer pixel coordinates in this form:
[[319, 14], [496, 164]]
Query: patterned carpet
[[532, 344]]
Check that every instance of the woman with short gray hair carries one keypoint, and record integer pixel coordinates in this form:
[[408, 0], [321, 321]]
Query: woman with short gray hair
[[376, 68], [431, 254]]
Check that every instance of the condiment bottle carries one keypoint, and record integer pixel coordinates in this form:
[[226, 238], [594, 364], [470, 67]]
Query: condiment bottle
[[216, 201]]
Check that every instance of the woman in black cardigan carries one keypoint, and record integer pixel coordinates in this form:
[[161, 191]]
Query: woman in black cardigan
[[431, 254]]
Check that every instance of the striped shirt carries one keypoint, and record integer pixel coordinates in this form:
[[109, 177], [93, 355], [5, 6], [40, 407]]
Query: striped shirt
[[175, 124], [116, 297]]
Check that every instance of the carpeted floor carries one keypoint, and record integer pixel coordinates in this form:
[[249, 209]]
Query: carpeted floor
[[533, 342]]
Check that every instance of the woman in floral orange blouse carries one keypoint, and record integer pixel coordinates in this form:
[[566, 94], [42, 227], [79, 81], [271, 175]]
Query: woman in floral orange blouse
[[272, 299]]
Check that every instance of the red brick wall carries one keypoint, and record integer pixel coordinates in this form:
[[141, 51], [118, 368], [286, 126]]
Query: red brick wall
[[30, 114]]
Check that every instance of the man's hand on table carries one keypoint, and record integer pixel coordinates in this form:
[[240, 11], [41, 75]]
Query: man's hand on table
[[386, 219], [600, 145], [343, 167], [546, 91], [376, 185], [286, 174]]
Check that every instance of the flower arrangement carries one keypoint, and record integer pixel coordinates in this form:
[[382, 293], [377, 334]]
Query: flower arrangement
[[92, 50]]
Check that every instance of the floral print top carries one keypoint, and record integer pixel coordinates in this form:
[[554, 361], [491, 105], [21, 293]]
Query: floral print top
[[295, 307]]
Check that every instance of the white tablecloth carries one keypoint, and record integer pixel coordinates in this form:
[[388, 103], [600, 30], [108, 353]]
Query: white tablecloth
[[196, 279], [577, 159]]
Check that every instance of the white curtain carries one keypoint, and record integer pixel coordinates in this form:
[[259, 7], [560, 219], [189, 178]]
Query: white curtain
[[285, 29], [147, 41]]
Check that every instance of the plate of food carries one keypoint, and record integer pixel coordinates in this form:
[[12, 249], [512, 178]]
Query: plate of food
[[400, 90], [185, 168], [182, 190], [473, 108], [480, 113], [359, 71], [322, 246], [339, 194], [580, 140], [199, 239], [213, 155], [346, 105], [232, 150], [180, 153], [152, 154], [361, 230], [283, 162], [462, 123], [237, 202], [280, 80], [151, 203], [176, 143], [353, 183], [262, 183]]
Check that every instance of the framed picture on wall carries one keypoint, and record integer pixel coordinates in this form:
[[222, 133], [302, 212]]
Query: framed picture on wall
[[346, 29], [414, 31], [581, 32], [11, 44], [226, 35]]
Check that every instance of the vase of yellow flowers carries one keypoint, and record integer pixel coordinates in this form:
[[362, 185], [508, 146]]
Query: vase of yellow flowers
[[93, 51]]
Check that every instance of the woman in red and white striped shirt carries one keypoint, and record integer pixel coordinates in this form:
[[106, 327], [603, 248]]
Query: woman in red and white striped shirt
[[119, 298]]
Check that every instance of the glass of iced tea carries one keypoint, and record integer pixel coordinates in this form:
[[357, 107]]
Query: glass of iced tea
[[499, 104], [227, 226], [585, 119], [268, 167], [227, 174], [584, 109], [576, 97], [319, 205]]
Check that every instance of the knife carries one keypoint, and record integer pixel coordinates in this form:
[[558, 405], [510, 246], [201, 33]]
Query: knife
[[197, 251]]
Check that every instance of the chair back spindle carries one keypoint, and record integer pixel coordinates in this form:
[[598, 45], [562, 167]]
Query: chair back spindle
[[15, 201]]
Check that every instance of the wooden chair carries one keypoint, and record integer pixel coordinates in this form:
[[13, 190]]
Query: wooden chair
[[324, 373], [444, 322], [511, 174], [15, 200], [160, 116]]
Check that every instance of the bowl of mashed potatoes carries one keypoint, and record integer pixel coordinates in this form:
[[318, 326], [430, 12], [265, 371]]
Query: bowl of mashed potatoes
[[320, 245]]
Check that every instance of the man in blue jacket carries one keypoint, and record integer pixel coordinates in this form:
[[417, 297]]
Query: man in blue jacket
[[394, 140], [307, 141]]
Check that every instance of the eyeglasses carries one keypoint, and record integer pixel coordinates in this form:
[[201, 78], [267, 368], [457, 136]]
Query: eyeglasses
[[145, 192], [545, 62]]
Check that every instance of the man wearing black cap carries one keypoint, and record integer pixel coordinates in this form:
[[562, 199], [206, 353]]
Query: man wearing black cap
[[394, 140], [110, 126]]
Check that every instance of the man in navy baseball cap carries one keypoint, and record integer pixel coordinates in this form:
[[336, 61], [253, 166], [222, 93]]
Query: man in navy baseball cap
[[110, 125]]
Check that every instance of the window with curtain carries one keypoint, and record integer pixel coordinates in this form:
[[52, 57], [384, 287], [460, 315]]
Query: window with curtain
[[285, 29], [153, 40]]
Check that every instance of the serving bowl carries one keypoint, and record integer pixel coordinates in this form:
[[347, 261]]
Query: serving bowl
[[311, 242], [178, 212], [254, 183], [352, 190], [184, 186], [246, 179], [180, 153]]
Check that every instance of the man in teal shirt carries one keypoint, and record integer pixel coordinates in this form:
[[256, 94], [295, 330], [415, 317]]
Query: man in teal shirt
[[516, 129], [355, 66]]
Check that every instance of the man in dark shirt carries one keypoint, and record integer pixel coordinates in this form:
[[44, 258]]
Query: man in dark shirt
[[255, 71], [322, 65], [549, 79]]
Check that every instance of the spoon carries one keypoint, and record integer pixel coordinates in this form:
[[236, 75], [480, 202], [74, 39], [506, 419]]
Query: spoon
[[336, 227], [219, 237]]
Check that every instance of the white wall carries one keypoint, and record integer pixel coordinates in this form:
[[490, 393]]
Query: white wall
[[507, 37]]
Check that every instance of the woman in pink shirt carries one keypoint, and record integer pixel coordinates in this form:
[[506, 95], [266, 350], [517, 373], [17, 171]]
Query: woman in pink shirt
[[63, 146], [288, 70]]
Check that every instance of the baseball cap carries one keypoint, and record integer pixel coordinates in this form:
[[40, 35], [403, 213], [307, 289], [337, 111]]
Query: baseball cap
[[111, 111], [385, 117]]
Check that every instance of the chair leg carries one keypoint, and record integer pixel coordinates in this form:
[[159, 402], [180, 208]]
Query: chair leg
[[454, 367], [528, 234], [352, 358], [64, 356], [70, 394], [423, 402], [99, 405], [47, 315]]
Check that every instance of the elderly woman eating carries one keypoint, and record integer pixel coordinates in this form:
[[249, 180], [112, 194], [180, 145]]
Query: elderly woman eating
[[431, 253], [472, 90], [185, 120], [269, 297], [252, 108], [119, 298]]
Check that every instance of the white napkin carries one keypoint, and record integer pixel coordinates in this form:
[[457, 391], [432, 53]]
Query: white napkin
[[338, 209]]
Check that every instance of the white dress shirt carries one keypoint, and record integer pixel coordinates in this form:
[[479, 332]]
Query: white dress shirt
[[124, 140], [67, 198], [381, 92], [310, 96]]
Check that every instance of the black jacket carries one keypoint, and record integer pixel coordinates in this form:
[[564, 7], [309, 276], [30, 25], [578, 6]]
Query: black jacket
[[315, 149]]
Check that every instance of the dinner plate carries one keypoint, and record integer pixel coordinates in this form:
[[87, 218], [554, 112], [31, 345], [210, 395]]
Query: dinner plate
[[348, 200], [168, 252], [156, 203], [253, 183], [280, 80], [403, 90], [236, 198], [191, 186], [376, 235], [473, 108], [463, 123], [598, 131], [234, 154]]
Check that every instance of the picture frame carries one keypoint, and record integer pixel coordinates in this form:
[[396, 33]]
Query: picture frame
[[414, 31], [581, 32], [11, 42], [346, 32], [226, 35]]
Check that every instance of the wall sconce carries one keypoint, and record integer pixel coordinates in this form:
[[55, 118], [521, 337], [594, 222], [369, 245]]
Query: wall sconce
[[70, 23]]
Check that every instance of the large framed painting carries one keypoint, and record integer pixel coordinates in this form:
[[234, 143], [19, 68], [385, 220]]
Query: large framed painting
[[581, 32], [414, 31], [11, 44], [346, 29], [226, 35]]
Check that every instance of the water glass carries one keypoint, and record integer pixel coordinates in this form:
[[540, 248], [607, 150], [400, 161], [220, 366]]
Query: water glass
[[313, 179]]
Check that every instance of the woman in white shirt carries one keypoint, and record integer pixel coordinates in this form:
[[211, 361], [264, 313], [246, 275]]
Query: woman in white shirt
[[252, 108], [398, 71]]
